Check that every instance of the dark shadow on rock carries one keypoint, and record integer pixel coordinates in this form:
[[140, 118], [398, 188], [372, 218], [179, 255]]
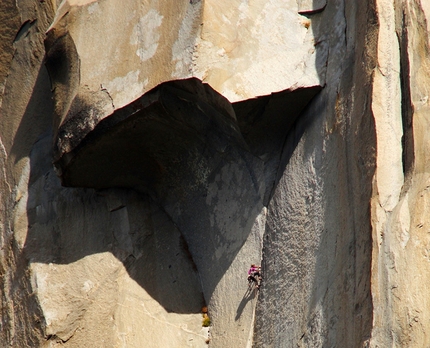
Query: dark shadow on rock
[[37, 118], [69, 224], [309, 7], [249, 295], [265, 123], [63, 64], [170, 184]]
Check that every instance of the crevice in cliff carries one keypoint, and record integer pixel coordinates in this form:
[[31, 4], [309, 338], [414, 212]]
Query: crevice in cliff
[[407, 108], [24, 30], [108, 94]]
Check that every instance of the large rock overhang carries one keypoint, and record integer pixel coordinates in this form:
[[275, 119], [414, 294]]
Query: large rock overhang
[[174, 137]]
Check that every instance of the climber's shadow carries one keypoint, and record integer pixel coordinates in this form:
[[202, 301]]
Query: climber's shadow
[[250, 294]]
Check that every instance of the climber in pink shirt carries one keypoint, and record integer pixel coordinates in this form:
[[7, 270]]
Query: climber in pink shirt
[[254, 275]]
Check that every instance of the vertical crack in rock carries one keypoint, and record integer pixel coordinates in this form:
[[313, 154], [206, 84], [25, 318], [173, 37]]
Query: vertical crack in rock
[[407, 108], [110, 97]]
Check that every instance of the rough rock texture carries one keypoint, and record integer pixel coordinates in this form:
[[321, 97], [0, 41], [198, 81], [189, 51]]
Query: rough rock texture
[[150, 151], [317, 242], [400, 206]]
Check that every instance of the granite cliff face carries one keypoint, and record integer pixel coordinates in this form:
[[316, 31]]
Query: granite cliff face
[[151, 151]]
